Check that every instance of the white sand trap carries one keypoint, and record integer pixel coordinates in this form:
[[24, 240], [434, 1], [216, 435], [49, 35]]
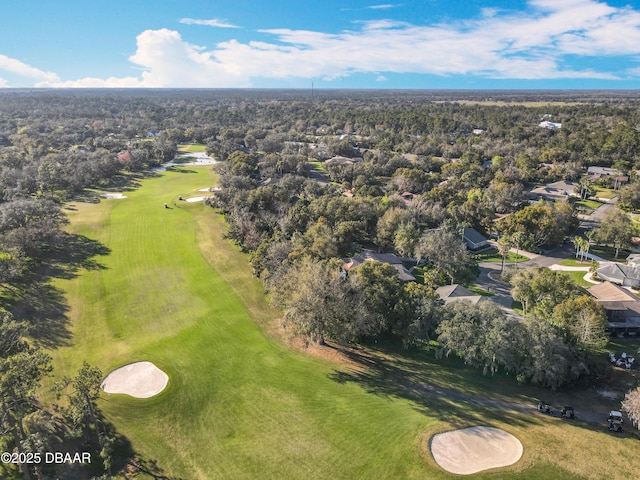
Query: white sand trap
[[113, 196], [140, 380], [472, 450], [194, 199], [209, 189]]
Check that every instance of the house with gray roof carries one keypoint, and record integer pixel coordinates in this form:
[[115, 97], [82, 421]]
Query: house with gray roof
[[599, 172], [554, 191], [473, 239], [389, 258], [338, 160], [457, 293], [550, 125], [627, 275]]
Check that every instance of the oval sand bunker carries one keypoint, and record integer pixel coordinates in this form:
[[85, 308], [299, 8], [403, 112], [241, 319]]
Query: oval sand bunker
[[140, 380], [475, 449]]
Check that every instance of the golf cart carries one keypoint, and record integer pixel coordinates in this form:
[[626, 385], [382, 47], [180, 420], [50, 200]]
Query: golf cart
[[614, 422], [544, 407], [567, 412]]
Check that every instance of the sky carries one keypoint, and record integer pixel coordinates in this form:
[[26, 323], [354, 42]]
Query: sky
[[411, 44]]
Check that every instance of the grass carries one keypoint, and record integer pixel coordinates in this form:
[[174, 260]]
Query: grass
[[607, 193], [572, 262], [241, 403], [578, 278], [319, 167], [587, 205], [609, 253], [493, 256], [192, 147], [418, 273], [480, 291]]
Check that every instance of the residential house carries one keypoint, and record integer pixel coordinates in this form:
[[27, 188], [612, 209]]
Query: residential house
[[407, 198], [457, 293], [389, 258], [338, 160], [474, 239], [621, 306], [599, 172], [550, 125], [627, 275], [556, 191]]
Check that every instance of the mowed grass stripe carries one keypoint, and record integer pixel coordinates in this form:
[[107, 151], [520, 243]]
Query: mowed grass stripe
[[238, 405]]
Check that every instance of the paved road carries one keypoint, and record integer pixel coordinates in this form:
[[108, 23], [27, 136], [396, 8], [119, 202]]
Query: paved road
[[488, 280], [318, 177]]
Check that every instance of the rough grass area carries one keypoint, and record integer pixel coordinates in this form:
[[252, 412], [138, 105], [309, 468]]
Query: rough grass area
[[243, 403], [192, 147]]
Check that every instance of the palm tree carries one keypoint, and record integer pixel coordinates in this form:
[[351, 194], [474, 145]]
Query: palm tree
[[589, 234], [504, 245], [581, 247], [517, 239]]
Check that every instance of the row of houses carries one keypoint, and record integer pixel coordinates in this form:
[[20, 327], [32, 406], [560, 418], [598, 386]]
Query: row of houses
[[564, 189]]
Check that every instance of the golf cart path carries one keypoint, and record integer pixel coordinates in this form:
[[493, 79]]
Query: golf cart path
[[456, 395]]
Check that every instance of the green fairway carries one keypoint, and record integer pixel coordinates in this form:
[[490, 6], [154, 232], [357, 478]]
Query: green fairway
[[192, 147], [238, 404], [242, 404]]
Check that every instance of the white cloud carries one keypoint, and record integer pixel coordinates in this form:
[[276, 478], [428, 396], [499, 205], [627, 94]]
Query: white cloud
[[383, 6], [92, 82], [538, 43], [3, 83], [214, 22], [169, 61], [23, 71]]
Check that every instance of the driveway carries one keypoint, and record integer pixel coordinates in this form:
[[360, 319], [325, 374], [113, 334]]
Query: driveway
[[488, 280]]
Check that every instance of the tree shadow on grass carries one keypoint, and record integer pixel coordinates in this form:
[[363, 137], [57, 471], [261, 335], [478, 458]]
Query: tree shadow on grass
[[454, 393], [37, 300], [45, 308], [71, 254], [123, 461], [151, 468], [129, 463], [180, 170], [393, 374]]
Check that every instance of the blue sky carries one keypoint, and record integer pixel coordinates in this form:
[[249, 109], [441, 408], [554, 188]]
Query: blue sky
[[336, 44]]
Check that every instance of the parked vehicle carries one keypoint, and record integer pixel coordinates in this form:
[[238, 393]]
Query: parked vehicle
[[616, 416], [615, 421], [567, 412], [544, 407]]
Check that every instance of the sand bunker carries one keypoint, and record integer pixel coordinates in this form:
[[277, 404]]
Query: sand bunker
[[475, 449], [209, 189], [113, 196], [140, 380], [195, 199]]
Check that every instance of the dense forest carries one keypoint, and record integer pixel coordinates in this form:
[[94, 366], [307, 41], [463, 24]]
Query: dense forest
[[308, 179]]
